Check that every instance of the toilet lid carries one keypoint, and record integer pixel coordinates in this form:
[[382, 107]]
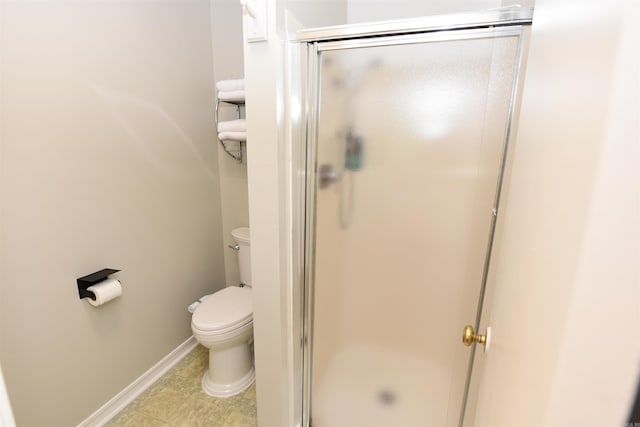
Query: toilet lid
[[227, 307]]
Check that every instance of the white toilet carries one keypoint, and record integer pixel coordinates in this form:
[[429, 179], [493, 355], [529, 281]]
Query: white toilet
[[223, 323]]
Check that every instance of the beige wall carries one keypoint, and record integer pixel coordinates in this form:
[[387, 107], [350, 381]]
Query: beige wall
[[382, 10], [263, 73], [565, 283], [268, 77], [317, 13], [107, 161], [226, 27]]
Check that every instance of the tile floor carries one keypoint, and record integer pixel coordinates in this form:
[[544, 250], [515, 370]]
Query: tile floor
[[177, 399]]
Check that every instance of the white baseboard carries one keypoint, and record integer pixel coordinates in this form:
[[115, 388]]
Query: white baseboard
[[110, 409]]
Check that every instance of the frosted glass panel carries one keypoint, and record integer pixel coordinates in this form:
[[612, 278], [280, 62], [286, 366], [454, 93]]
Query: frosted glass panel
[[409, 148]]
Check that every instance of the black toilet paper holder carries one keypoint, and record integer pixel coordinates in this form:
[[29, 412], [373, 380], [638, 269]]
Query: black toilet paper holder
[[92, 279]]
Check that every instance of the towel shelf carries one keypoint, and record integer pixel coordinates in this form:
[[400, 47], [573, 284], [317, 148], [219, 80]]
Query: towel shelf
[[236, 154]]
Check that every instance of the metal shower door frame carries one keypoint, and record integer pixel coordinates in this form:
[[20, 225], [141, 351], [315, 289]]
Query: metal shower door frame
[[489, 24]]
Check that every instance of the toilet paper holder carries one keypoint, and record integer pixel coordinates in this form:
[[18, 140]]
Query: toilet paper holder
[[92, 279]]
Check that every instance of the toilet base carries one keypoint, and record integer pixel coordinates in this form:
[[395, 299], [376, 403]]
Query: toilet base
[[227, 390]]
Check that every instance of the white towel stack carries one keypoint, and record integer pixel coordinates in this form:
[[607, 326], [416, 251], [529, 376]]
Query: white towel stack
[[232, 136], [239, 125], [234, 129], [230, 90], [237, 84]]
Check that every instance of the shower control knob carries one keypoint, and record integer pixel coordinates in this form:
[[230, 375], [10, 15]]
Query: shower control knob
[[327, 176], [234, 247]]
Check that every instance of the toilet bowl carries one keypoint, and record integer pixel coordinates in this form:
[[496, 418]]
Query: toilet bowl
[[223, 323]]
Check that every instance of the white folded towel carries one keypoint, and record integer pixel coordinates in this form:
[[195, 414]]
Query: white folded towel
[[239, 125], [229, 85], [231, 95], [233, 136]]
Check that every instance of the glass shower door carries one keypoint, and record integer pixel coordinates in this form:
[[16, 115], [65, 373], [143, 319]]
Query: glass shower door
[[407, 151]]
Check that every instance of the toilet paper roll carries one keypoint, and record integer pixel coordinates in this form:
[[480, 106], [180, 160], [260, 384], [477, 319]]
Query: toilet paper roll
[[105, 291]]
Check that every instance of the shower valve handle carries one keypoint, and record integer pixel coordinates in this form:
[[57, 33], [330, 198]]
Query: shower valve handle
[[327, 175], [234, 247]]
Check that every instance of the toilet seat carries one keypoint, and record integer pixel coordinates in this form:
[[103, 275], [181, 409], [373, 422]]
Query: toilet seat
[[226, 310]]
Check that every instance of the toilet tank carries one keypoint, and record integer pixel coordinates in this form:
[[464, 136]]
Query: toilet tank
[[241, 237]]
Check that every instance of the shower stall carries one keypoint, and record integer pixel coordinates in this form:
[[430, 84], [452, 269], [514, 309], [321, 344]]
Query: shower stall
[[407, 131]]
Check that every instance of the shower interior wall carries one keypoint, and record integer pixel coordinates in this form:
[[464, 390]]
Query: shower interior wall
[[109, 159]]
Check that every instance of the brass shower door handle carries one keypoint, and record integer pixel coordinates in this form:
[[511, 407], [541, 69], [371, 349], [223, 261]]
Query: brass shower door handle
[[469, 336]]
